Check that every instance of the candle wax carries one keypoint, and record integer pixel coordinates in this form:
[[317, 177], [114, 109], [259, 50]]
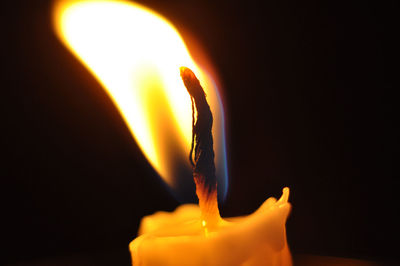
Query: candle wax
[[180, 238]]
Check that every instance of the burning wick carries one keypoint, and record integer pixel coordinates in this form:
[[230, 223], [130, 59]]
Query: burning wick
[[202, 144], [181, 238]]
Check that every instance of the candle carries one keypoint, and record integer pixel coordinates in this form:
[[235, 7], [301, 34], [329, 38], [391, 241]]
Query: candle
[[136, 55], [180, 238]]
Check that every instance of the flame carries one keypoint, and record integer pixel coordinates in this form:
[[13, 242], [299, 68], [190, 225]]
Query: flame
[[135, 54]]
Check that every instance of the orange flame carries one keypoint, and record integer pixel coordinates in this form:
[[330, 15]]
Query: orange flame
[[136, 54]]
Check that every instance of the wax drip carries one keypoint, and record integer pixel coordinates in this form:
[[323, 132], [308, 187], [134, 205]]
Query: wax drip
[[202, 145]]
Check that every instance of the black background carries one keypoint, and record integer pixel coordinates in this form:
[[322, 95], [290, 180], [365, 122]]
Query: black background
[[309, 100]]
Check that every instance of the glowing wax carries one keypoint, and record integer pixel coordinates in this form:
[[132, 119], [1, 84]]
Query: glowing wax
[[178, 238]]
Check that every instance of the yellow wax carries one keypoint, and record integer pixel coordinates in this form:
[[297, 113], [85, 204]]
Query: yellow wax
[[178, 238]]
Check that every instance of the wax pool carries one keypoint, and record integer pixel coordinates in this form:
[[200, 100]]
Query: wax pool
[[180, 238]]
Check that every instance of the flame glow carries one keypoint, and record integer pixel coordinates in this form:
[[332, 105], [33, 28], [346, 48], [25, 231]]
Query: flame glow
[[136, 54]]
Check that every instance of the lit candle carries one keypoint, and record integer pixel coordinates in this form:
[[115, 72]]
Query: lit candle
[[136, 54]]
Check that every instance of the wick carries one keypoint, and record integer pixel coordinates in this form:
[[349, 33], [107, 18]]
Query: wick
[[202, 146]]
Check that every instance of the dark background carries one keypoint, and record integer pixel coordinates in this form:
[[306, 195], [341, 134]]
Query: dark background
[[309, 100]]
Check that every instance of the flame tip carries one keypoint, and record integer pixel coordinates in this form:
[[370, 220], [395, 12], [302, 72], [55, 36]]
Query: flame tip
[[135, 54]]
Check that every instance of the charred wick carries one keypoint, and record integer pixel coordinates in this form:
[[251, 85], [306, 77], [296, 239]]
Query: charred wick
[[202, 139]]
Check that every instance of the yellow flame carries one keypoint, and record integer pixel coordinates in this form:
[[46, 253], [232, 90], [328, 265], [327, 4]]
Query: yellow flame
[[136, 54]]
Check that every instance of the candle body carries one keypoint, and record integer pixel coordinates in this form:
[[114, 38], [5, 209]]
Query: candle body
[[178, 238]]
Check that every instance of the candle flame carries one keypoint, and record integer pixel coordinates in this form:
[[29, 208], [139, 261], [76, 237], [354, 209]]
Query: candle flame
[[135, 54]]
